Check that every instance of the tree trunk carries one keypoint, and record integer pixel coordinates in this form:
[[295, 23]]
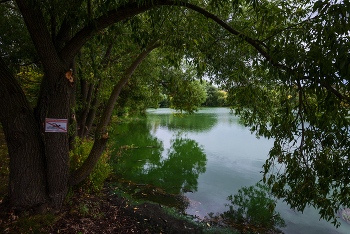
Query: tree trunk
[[57, 144], [83, 117], [27, 183], [92, 113], [53, 102]]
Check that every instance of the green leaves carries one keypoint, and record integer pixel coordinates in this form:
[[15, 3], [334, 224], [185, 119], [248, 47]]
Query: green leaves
[[285, 68], [302, 102], [187, 96]]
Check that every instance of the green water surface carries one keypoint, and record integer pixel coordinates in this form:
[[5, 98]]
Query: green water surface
[[195, 162]]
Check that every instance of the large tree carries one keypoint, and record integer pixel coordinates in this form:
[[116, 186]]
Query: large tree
[[39, 161], [39, 170]]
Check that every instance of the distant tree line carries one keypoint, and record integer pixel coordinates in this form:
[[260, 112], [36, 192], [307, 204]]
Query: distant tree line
[[212, 96]]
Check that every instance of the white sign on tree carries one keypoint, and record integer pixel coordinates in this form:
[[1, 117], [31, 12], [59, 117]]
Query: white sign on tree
[[55, 125]]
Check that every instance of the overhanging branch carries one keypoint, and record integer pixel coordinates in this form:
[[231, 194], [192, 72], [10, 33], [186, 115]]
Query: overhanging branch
[[132, 9], [334, 91]]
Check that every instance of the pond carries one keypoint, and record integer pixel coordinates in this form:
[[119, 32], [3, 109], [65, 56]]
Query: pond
[[200, 160]]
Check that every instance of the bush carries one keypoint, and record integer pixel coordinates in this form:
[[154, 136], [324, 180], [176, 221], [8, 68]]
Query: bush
[[102, 170]]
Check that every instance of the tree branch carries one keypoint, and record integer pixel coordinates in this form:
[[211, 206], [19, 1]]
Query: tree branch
[[113, 16], [132, 9], [101, 137], [333, 90], [40, 35]]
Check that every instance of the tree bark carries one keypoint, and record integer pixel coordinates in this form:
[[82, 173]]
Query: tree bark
[[53, 103], [27, 183]]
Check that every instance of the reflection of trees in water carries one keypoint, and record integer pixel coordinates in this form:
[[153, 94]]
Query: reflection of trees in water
[[144, 171], [180, 171], [177, 171], [252, 210], [189, 123], [150, 150], [197, 122]]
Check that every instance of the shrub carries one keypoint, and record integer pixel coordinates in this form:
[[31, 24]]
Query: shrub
[[102, 170]]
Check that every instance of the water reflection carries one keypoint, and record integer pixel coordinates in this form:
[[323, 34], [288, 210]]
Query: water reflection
[[187, 123], [227, 151], [137, 133], [143, 162], [180, 171]]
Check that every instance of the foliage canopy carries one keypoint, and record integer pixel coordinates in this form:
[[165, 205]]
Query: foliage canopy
[[284, 64]]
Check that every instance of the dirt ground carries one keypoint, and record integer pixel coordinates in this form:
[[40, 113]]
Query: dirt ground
[[104, 213]]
